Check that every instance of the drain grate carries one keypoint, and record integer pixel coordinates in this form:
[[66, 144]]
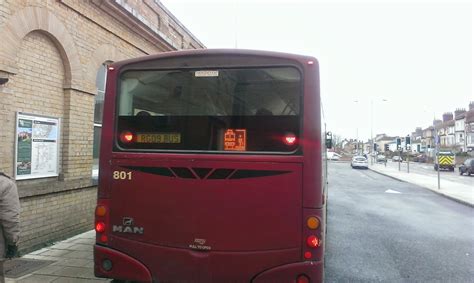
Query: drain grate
[[21, 266]]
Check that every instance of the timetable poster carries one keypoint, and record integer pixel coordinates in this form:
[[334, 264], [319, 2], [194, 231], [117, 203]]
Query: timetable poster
[[36, 146]]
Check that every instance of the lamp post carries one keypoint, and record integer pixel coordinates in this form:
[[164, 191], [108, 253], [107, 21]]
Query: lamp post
[[372, 127], [372, 150]]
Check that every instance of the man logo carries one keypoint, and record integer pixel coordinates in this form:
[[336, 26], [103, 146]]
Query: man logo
[[127, 221], [127, 227]]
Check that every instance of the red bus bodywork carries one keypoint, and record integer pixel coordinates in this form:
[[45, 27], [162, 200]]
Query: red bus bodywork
[[189, 227]]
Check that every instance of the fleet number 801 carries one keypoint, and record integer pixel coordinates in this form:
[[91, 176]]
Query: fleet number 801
[[122, 175]]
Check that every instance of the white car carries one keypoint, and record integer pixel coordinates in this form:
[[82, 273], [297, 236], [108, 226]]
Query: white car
[[333, 156], [359, 162], [397, 158]]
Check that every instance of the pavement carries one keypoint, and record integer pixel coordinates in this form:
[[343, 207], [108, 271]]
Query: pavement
[[70, 260], [453, 186]]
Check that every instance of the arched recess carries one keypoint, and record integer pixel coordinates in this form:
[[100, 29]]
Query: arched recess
[[40, 19], [103, 54]]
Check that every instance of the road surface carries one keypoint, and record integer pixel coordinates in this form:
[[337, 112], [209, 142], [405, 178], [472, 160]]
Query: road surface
[[380, 229]]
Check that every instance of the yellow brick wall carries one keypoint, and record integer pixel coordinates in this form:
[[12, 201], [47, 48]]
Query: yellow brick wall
[[45, 219], [51, 50]]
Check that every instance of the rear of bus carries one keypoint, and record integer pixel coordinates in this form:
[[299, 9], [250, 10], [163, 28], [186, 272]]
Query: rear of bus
[[210, 169]]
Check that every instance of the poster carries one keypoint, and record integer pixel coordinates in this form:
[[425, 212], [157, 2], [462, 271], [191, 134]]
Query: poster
[[37, 145]]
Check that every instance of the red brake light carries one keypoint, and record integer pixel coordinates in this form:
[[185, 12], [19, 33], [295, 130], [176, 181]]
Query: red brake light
[[307, 255], [290, 139], [126, 137], [312, 241], [302, 279], [103, 238], [100, 227]]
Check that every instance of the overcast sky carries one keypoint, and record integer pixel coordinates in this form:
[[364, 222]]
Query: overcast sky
[[416, 55]]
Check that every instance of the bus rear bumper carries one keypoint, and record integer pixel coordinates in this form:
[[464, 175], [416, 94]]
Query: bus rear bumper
[[121, 265], [313, 270]]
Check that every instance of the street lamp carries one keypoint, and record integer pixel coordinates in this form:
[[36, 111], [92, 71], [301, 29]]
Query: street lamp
[[372, 128], [371, 152]]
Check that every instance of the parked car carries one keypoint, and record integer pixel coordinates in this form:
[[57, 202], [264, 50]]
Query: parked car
[[381, 158], [359, 162], [467, 167], [420, 158], [333, 156], [397, 158]]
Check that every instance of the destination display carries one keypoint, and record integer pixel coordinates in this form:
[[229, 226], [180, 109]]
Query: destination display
[[235, 139]]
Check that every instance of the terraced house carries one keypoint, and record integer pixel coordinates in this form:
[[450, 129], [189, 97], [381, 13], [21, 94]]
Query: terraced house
[[53, 57]]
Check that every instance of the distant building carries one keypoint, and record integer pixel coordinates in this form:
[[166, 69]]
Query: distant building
[[381, 140], [460, 130], [415, 140], [446, 131], [427, 139], [469, 127]]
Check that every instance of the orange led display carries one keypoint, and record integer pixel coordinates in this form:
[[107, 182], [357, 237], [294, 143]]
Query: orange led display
[[235, 139]]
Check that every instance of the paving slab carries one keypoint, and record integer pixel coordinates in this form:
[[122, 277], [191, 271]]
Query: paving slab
[[72, 261]]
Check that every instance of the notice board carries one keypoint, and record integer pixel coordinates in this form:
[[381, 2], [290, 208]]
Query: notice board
[[36, 146]]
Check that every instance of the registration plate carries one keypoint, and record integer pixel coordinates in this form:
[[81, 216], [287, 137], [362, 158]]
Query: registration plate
[[159, 138]]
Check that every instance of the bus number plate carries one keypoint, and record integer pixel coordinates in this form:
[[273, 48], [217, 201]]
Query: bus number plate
[[159, 138]]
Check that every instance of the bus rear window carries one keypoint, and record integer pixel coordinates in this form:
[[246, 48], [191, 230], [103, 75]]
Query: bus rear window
[[228, 110]]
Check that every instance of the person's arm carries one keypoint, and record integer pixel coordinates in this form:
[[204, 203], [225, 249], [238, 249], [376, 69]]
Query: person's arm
[[10, 212]]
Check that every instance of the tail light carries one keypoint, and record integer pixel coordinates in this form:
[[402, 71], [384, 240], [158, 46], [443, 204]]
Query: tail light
[[100, 227], [302, 279], [126, 137], [312, 241], [101, 221], [289, 139]]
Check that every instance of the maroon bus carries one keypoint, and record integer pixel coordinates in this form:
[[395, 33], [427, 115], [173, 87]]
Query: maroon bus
[[212, 169]]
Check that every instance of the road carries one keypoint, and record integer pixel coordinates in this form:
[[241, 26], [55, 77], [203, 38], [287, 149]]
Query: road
[[427, 169], [380, 229]]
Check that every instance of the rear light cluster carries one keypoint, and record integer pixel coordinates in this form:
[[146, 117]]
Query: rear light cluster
[[101, 222], [312, 241]]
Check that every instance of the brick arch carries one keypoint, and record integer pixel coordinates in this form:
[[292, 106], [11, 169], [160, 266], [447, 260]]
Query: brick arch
[[39, 19], [104, 53]]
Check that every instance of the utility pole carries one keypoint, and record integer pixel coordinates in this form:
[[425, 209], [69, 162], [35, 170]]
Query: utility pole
[[399, 157], [399, 149], [408, 162], [371, 131], [408, 148], [437, 154]]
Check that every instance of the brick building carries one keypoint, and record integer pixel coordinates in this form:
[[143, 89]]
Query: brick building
[[53, 55]]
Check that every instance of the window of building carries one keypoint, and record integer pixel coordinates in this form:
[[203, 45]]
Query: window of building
[[98, 113]]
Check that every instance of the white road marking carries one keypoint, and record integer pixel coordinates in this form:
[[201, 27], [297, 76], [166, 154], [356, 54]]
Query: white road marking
[[392, 192]]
